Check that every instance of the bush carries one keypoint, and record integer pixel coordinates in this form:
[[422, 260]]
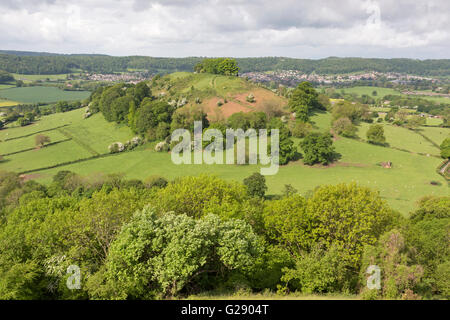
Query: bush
[[156, 181], [319, 271], [116, 147], [299, 129], [318, 148], [375, 134], [344, 127], [162, 147], [256, 185], [149, 258]]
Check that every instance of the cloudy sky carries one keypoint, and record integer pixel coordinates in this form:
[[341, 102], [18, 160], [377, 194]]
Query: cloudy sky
[[239, 28]]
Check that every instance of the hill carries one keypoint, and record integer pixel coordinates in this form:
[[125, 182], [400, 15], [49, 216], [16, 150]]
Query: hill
[[219, 96], [43, 63]]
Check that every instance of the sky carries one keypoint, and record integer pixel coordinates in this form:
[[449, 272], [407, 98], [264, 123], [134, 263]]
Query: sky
[[314, 29]]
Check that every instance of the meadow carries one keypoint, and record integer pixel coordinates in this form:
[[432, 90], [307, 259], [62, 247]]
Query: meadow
[[401, 186], [35, 77], [41, 94], [381, 92]]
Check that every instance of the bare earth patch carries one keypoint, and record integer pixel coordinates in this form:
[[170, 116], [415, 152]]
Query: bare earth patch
[[31, 176]]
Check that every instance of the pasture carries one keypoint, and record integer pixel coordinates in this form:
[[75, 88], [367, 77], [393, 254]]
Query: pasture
[[41, 94], [400, 186], [402, 138], [381, 92], [35, 77]]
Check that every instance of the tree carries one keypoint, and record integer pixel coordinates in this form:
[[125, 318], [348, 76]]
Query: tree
[[352, 111], [41, 139], [198, 196], [344, 127], [287, 150], [256, 185], [414, 122], [151, 113], [375, 134], [318, 148], [5, 77], [445, 148], [393, 255], [159, 255], [303, 100], [141, 91], [299, 129]]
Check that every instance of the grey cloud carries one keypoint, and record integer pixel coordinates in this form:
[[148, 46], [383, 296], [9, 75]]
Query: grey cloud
[[297, 28]]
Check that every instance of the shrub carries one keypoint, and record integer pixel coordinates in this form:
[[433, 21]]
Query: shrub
[[344, 127], [256, 185], [319, 271], [116, 147], [375, 134], [318, 148], [162, 147]]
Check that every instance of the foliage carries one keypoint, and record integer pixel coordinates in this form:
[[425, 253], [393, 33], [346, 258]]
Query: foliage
[[318, 148], [225, 66], [393, 256], [318, 271], [375, 134], [41, 139], [160, 255], [256, 185], [344, 127], [198, 196], [445, 149], [303, 100]]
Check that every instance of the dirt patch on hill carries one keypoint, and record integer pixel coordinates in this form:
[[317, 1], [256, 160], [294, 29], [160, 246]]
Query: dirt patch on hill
[[26, 177], [337, 164], [216, 113], [263, 99]]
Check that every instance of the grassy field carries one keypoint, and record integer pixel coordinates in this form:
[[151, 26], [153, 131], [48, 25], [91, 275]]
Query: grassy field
[[402, 138], [6, 86], [35, 77], [381, 92], [8, 103], [401, 186], [435, 134], [434, 121], [41, 94], [77, 138]]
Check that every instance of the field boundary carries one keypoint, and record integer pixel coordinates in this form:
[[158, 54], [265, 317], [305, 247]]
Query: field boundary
[[78, 141], [31, 134], [428, 139], [441, 169], [62, 164], [31, 149]]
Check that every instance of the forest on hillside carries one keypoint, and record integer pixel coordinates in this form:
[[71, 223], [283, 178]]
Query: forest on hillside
[[57, 64]]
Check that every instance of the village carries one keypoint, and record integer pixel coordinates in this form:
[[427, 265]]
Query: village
[[293, 77]]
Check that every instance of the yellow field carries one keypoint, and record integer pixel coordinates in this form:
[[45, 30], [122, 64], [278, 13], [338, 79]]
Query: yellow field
[[8, 103]]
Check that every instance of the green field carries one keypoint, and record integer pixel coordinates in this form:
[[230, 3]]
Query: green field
[[402, 138], [78, 139], [41, 94], [401, 186], [435, 134], [381, 92], [35, 77], [7, 103]]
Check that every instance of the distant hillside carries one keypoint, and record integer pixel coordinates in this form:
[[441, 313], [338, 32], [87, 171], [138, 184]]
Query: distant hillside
[[49, 63]]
